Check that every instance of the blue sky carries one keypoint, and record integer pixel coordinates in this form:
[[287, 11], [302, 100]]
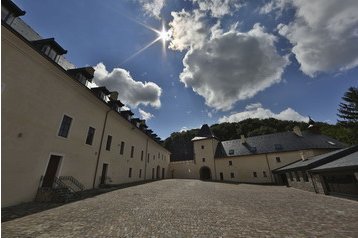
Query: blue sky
[[227, 60]]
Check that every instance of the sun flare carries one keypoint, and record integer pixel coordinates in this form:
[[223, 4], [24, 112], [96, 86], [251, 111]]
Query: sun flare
[[165, 35]]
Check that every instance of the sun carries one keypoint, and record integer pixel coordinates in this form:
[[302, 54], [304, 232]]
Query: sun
[[165, 35]]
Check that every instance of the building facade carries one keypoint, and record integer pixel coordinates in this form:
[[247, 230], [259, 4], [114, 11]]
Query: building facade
[[252, 159], [56, 129]]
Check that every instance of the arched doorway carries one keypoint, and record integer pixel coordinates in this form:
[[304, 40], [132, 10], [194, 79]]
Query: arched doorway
[[158, 172], [205, 173]]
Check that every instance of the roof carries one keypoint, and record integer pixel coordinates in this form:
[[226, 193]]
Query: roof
[[319, 159], [52, 43], [342, 163], [88, 72], [12, 7], [277, 142], [204, 133], [101, 89]]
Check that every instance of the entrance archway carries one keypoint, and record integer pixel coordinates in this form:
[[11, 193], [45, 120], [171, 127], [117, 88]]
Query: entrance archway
[[205, 173]]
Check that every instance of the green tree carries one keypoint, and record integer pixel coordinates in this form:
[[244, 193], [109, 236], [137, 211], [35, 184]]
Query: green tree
[[348, 110]]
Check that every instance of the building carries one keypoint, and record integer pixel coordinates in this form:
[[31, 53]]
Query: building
[[333, 173], [58, 132], [252, 159]]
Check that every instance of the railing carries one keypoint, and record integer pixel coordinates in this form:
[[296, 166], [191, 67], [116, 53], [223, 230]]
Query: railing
[[73, 183]]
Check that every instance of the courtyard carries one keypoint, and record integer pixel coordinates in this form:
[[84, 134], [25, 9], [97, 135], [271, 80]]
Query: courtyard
[[193, 208]]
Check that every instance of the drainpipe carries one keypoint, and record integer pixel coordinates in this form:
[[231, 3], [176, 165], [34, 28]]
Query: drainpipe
[[100, 147], [145, 160], [268, 165], [212, 145]]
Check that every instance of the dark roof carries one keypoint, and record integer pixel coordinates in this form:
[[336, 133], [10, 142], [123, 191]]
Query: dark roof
[[52, 43], [88, 72], [277, 142], [134, 120], [12, 7], [318, 160], [205, 131], [345, 162], [101, 89], [115, 102]]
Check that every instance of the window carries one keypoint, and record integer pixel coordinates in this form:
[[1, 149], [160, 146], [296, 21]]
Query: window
[[158, 155], [109, 142], [130, 173], [203, 159], [278, 147], [148, 157], [152, 173], [202, 147], [90, 135], [221, 176], [253, 149], [278, 159], [140, 173], [255, 174], [230, 163], [232, 175], [297, 176], [65, 126], [264, 174], [132, 151], [305, 176], [153, 157], [122, 148], [231, 152], [290, 175], [141, 156]]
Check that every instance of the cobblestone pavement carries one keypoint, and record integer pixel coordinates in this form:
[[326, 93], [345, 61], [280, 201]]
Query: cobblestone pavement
[[192, 208]]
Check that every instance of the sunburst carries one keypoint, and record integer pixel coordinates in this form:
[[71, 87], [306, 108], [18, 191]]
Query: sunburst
[[163, 35]]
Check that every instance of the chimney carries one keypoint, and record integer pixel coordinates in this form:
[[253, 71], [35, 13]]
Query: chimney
[[113, 95], [243, 139], [297, 131]]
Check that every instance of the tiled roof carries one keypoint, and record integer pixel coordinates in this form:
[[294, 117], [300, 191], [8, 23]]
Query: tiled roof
[[344, 162], [277, 142], [319, 159]]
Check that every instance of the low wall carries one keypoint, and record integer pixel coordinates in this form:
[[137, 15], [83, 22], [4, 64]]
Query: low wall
[[183, 170]]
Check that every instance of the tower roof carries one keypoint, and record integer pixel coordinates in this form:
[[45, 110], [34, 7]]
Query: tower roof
[[204, 133]]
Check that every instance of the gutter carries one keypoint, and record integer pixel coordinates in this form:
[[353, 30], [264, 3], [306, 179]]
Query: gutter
[[100, 148]]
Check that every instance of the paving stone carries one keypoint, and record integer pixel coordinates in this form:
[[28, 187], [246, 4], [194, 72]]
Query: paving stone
[[192, 208]]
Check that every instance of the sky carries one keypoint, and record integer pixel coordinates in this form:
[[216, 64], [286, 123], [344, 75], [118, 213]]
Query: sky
[[216, 61]]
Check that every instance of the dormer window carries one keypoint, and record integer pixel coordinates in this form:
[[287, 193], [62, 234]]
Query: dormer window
[[50, 48], [9, 11], [278, 147], [82, 74], [231, 152]]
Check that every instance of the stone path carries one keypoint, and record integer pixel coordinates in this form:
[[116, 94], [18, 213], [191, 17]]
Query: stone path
[[191, 208]]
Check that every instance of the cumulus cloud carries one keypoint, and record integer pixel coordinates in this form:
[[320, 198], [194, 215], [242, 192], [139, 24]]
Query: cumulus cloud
[[233, 66], [257, 111], [218, 8], [145, 115], [130, 91], [275, 6], [152, 7], [188, 30], [324, 35]]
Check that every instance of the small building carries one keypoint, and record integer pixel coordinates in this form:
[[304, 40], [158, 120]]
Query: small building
[[339, 177], [330, 173]]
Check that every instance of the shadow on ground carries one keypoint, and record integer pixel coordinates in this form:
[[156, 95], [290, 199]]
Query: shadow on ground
[[25, 209]]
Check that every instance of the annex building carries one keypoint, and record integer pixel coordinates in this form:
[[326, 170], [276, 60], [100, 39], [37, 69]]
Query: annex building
[[56, 131]]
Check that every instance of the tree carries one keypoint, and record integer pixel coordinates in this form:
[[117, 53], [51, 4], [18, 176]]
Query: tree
[[348, 110]]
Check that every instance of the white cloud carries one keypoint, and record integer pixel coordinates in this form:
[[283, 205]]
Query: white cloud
[[184, 128], [233, 66], [188, 30], [324, 35], [275, 6], [257, 111], [153, 7], [130, 91], [218, 8], [145, 115]]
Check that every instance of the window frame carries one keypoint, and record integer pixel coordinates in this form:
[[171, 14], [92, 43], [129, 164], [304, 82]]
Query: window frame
[[62, 125], [90, 135], [121, 150], [109, 143]]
